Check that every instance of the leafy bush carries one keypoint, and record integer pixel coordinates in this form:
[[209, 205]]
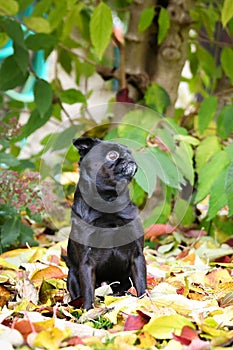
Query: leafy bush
[[20, 202]]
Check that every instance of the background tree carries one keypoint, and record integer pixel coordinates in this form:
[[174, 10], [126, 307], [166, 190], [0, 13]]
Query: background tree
[[159, 37]]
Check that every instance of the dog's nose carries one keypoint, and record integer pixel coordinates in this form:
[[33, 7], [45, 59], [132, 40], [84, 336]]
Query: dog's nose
[[130, 169]]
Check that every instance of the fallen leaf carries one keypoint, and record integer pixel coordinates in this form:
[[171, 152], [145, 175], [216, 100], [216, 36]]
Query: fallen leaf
[[46, 273], [51, 339], [165, 326], [186, 336], [135, 322], [156, 230]]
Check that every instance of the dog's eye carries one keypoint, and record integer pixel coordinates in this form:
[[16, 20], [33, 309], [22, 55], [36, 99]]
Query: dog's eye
[[112, 156]]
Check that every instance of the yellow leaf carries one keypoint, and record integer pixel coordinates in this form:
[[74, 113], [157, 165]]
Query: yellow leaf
[[147, 341], [217, 277], [51, 339], [163, 327], [5, 265], [44, 325], [214, 332], [173, 345]]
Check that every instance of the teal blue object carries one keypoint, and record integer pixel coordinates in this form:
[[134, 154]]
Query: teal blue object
[[39, 64]]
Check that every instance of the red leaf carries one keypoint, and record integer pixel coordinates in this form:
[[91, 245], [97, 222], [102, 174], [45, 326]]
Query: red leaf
[[123, 96], [24, 327], [158, 230], [133, 322], [75, 341], [187, 335]]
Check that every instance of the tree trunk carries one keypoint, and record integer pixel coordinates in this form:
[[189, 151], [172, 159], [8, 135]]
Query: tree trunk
[[146, 62]]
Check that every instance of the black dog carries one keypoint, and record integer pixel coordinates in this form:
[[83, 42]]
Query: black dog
[[106, 239]]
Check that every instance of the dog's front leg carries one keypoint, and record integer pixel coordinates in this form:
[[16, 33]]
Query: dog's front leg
[[138, 271], [73, 283], [87, 283]]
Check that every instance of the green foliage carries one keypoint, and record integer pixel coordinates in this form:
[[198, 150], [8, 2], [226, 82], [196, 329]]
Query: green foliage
[[146, 19], [206, 113], [101, 28], [164, 24], [227, 12], [157, 98]]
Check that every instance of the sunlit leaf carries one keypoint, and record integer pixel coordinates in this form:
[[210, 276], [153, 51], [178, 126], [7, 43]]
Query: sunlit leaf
[[227, 12], [207, 112], [9, 7], [229, 188], [163, 327], [146, 19], [38, 24], [206, 149], [227, 61], [164, 24], [157, 98], [101, 28]]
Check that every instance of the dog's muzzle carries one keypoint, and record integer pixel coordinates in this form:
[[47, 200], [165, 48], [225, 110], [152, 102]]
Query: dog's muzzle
[[127, 169]]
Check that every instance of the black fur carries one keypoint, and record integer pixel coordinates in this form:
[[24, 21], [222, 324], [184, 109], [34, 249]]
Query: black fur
[[105, 182]]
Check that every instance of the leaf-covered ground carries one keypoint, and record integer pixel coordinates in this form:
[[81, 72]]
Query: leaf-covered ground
[[189, 303]]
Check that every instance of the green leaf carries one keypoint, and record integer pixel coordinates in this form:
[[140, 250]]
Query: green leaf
[[43, 96], [227, 61], [164, 24], [63, 140], [166, 169], [11, 74], [26, 235], [21, 56], [3, 39], [182, 213], [163, 327], [182, 157], [101, 28], [227, 12], [9, 7], [146, 19], [35, 122], [14, 30], [40, 41], [229, 150], [136, 126], [57, 14], [72, 96], [37, 24], [10, 231], [225, 122], [218, 198], [205, 151], [157, 98], [146, 176], [209, 173], [8, 159], [229, 188], [207, 112]]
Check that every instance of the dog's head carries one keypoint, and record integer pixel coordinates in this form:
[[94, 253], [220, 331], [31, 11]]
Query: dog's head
[[105, 162]]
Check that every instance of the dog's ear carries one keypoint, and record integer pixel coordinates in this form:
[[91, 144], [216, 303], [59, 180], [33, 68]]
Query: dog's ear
[[84, 144]]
